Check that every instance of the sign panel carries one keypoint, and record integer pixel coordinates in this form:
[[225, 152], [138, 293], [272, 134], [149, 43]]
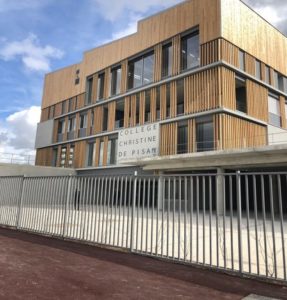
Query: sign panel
[[138, 142]]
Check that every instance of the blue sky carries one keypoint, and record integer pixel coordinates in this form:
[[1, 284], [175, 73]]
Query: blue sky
[[38, 36]]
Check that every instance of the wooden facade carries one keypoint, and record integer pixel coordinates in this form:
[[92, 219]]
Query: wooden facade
[[229, 32]]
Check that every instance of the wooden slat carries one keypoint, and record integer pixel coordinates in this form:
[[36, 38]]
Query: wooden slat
[[112, 115], [283, 112], [168, 140], [257, 100], [157, 62], [176, 55], [124, 65]]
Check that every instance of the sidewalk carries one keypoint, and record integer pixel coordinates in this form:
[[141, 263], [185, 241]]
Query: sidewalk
[[34, 267]]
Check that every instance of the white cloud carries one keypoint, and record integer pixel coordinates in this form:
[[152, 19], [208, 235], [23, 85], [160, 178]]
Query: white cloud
[[113, 9], [34, 56], [18, 132]]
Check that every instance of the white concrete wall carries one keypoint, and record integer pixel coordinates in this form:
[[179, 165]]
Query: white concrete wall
[[276, 135], [20, 170]]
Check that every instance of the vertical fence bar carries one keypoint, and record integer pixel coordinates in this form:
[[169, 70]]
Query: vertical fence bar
[[21, 196], [67, 205], [133, 213], [239, 215]]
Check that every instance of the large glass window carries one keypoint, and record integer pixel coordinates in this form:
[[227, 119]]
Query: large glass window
[[120, 114], [182, 139], [64, 107], [89, 90], [166, 60], [140, 71], [190, 51], [180, 96], [204, 135], [276, 79], [101, 86], [147, 106], [241, 103], [63, 157], [116, 76], [55, 157], [51, 112], [274, 111]]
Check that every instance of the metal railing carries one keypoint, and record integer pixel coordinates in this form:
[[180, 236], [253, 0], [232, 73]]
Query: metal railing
[[14, 158], [235, 222]]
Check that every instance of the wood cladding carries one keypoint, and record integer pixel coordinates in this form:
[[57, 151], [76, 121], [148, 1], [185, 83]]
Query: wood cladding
[[227, 97], [209, 52], [157, 62], [257, 101], [201, 91], [60, 84], [246, 29], [176, 55], [168, 139], [283, 112], [80, 154], [236, 133], [44, 157]]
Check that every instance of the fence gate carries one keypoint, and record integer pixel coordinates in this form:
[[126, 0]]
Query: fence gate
[[234, 222]]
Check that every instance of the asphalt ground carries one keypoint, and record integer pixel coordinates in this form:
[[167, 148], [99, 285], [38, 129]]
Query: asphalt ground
[[37, 267]]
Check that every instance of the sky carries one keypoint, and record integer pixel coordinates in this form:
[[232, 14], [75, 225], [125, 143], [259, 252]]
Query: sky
[[39, 36]]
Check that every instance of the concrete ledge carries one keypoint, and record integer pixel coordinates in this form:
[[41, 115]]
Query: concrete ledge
[[20, 170]]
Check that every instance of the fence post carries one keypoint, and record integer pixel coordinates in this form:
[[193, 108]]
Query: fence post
[[133, 211], [66, 205], [20, 201], [239, 216]]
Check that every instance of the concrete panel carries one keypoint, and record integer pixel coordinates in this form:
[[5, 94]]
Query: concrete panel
[[276, 135], [44, 135], [20, 170]]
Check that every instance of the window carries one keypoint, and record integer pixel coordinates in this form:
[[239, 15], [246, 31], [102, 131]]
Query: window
[[116, 76], [101, 85], [112, 151], [64, 107], [70, 106], [83, 125], [71, 128], [281, 82], [274, 110], [89, 90], [190, 51], [166, 60], [158, 103], [61, 130], [168, 100], [101, 159], [241, 60], [140, 71], [55, 157], [276, 79], [147, 106], [92, 121], [182, 139], [137, 109], [63, 157], [105, 118], [241, 104], [71, 156], [91, 154], [120, 114], [180, 96], [267, 74], [77, 79], [258, 69], [204, 135], [51, 112]]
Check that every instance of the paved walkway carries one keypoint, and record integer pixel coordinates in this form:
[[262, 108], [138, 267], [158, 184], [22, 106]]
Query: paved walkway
[[34, 267]]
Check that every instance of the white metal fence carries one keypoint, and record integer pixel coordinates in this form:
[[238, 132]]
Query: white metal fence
[[234, 222]]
